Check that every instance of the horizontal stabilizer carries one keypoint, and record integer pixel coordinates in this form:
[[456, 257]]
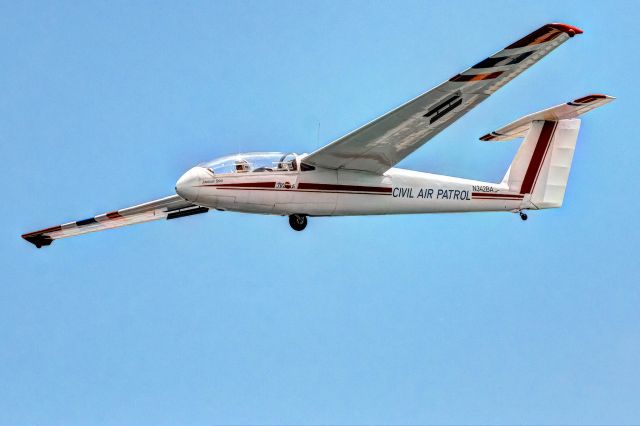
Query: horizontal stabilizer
[[573, 109]]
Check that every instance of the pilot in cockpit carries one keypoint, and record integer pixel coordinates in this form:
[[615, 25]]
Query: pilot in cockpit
[[242, 166], [285, 164]]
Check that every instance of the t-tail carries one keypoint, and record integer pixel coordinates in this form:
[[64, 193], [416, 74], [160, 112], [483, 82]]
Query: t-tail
[[540, 169]]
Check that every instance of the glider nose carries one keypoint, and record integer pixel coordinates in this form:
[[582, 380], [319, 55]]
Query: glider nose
[[188, 186]]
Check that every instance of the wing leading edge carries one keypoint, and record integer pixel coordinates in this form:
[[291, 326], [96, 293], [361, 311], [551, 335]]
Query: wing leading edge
[[171, 207], [382, 143]]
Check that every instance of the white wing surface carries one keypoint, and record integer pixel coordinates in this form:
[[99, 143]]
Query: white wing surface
[[171, 207], [379, 145]]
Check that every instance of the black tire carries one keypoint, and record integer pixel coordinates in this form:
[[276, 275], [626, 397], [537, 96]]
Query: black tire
[[523, 216], [298, 221]]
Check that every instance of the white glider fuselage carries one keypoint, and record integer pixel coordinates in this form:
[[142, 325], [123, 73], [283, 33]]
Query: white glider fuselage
[[325, 192]]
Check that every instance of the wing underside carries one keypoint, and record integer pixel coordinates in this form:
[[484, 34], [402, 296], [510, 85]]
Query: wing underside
[[382, 143], [171, 207]]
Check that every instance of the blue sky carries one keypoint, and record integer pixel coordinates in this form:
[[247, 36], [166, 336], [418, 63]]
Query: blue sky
[[236, 319]]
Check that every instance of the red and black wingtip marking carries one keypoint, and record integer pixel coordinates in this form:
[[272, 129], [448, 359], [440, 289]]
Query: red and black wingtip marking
[[586, 99], [491, 136], [565, 28], [544, 34], [38, 239]]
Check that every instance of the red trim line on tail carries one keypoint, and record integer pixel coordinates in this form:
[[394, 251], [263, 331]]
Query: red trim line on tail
[[537, 158]]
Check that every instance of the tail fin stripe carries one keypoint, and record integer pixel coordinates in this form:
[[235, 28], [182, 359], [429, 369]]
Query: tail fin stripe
[[537, 159], [544, 157]]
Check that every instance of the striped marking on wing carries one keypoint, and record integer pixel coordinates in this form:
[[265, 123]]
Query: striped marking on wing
[[518, 56], [172, 209]]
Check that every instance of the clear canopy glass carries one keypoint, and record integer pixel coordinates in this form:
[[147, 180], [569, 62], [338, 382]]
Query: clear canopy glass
[[253, 162]]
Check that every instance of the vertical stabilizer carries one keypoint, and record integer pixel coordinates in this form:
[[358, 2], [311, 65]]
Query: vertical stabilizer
[[541, 167]]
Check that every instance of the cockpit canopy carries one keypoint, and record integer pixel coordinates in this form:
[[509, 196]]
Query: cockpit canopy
[[253, 162]]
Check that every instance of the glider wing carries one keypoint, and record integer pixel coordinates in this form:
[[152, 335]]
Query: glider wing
[[382, 143], [171, 207]]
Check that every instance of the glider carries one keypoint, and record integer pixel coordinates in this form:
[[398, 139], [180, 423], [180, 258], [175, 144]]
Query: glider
[[355, 174]]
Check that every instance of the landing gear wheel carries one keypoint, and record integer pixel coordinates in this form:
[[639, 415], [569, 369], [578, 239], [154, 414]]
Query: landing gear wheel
[[298, 221], [523, 216]]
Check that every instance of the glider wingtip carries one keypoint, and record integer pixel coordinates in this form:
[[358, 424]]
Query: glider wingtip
[[602, 96], [566, 28], [486, 138], [38, 240], [602, 99]]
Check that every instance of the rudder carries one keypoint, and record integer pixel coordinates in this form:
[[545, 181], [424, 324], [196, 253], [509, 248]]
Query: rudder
[[540, 169]]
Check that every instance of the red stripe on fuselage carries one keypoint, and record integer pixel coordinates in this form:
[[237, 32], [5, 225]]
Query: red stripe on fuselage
[[497, 198], [245, 185], [305, 187], [348, 188], [489, 195]]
